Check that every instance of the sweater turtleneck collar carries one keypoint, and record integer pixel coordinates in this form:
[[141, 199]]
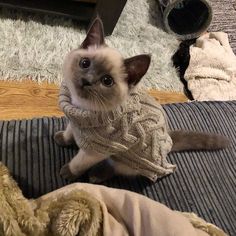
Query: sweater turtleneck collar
[[93, 119]]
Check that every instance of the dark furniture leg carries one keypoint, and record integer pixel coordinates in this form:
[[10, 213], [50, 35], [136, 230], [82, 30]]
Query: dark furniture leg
[[109, 11], [77, 10]]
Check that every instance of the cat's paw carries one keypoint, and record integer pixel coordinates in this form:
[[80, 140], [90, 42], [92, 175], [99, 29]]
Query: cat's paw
[[61, 141], [66, 173], [59, 138]]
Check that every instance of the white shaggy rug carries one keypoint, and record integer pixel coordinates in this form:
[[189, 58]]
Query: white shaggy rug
[[34, 46]]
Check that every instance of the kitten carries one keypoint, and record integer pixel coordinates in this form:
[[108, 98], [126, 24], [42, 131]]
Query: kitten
[[119, 128]]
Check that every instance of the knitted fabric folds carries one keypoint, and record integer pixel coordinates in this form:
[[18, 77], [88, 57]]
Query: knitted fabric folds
[[134, 133]]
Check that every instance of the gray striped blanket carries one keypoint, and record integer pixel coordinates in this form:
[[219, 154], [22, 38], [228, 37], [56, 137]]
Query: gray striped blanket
[[204, 182]]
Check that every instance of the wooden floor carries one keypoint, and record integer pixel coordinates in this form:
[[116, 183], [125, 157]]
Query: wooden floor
[[27, 99]]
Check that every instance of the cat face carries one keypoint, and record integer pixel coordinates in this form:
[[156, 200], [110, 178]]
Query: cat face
[[98, 77]]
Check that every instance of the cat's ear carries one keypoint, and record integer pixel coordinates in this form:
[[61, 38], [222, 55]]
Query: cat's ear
[[136, 68], [95, 34]]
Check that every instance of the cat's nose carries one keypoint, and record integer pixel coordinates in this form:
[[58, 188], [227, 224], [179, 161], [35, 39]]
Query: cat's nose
[[85, 83]]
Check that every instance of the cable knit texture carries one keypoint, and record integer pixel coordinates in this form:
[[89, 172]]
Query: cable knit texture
[[211, 74], [135, 133]]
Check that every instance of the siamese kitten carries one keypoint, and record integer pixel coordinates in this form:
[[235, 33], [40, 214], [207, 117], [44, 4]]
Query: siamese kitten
[[100, 79]]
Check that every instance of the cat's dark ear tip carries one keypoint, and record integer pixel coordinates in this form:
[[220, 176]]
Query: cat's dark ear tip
[[98, 20], [95, 34], [97, 16], [148, 58]]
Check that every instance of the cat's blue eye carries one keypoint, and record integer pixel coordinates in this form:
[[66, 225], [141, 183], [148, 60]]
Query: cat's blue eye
[[84, 63], [107, 80]]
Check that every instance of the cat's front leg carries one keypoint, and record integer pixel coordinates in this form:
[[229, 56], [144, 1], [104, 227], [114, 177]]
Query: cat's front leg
[[65, 138], [83, 161]]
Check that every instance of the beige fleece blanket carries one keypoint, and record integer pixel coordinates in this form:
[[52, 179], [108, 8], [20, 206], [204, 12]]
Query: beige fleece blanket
[[128, 213], [87, 210], [211, 74]]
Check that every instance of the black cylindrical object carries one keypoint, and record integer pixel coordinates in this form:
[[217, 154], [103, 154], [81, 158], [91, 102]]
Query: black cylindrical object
[[187, 19]]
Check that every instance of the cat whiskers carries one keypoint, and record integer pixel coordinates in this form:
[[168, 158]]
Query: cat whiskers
[[103, 101], [97, 99]]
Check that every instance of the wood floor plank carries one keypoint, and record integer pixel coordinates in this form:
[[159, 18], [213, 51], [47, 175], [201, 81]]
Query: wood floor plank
[[165, 97], [27, 99]]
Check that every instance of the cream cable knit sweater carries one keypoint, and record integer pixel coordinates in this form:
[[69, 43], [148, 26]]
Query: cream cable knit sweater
[[211, 74], [134, 133]]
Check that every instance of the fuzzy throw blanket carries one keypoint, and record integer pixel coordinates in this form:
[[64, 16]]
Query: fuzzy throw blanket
[[211, 74], [86, 209]]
